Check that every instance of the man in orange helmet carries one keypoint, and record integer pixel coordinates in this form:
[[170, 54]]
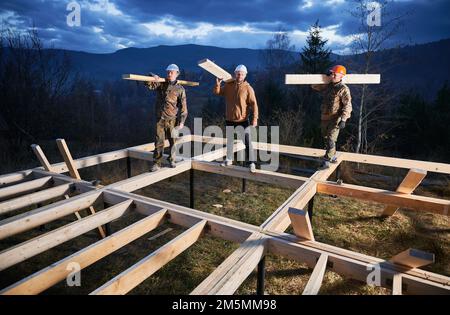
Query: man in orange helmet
[[335, 111]]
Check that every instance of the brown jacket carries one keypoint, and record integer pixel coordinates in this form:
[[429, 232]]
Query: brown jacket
[[238, 98], [170, 101], [337, 101]]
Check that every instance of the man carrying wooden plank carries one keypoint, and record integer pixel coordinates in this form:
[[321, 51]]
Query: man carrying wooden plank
[[171, 111], [335, 110], [240, 99]]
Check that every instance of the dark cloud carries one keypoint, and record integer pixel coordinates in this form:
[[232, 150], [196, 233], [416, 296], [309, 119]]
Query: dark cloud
[[114, 24]]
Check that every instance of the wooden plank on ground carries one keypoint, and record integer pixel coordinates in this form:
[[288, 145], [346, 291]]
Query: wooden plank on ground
[[215, 70], [136, 274], [301, 223], [47, 277], [315, 281], [41, 243], [413, 258], [407, 186], [324, 79]]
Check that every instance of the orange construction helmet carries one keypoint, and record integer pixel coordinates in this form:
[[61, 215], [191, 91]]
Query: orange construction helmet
[[339, 69]]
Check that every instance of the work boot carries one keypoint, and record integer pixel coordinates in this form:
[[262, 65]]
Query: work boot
[[227, 162], [252, 167], [173, 164], [325, 165], [156, 167]]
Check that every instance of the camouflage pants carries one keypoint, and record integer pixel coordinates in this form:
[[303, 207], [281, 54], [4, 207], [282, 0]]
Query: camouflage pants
[[164, 129], [330, 133]]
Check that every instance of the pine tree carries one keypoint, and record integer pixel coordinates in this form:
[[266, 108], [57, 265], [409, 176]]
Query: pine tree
[[315, 59], [315, 56]]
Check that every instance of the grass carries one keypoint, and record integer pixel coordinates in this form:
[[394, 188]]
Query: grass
[[343, 222]]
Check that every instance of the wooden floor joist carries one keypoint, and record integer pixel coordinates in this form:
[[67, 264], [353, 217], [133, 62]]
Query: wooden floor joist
[[227, 278], [419, 203], [47, 277], [407, 186], [39, 244], [34, 218], [26, 187], [130, 278], [34, 198], [315, 281]]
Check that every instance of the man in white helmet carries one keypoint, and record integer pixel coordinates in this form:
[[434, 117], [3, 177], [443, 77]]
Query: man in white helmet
[[170, 110], [240, 100]]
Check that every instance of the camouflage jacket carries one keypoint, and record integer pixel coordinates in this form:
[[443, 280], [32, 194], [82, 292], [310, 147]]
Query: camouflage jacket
[[337, 101], [170, 100]]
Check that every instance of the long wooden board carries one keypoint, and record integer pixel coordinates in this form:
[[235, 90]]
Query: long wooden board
[[215, 70], [144, 78], [324, 79]]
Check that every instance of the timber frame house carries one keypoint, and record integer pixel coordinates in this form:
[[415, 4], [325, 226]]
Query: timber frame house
[[401, 274]]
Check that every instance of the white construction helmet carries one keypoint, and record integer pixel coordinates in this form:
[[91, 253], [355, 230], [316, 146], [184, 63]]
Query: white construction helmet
[[172, 67], [241, 68]]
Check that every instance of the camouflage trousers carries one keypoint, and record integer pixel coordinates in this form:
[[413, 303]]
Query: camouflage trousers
[[164, 129], [330, 133]]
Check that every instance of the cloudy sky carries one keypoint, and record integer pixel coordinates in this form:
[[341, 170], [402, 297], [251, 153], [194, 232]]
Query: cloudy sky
[[109, 25]]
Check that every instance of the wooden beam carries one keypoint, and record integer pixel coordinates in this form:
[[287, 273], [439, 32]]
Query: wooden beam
[[397, 284], [407, 186], [143, 180], [227, 278], [215, 70], [301, 223], [140, 154], [14, 190], [41, 157], [37, 197], [34, 218], [39, 244], [420, 203], [413, 258], [315, 281], [136, 274], [397, 162], [279, 221], [92, 160], [285, 180], [324, 79], [224, 228], [144, 78], [64, 150], [47, 277], [358, 267], [14, 177]]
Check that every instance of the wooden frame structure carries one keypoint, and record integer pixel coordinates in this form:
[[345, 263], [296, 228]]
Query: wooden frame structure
[[22, 189]]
